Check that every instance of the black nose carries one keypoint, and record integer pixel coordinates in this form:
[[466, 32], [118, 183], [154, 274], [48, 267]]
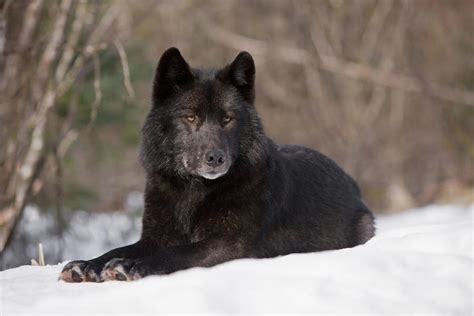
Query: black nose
[[215, 158]]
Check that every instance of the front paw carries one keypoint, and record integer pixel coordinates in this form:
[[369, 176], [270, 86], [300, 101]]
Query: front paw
[[124, 270], [81, 271]]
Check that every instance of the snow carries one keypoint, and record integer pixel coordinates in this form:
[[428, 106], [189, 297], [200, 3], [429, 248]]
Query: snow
[[421, 261], [86, 235]]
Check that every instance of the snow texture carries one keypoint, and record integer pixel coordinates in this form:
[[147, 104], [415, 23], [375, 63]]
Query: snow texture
[[421, 261]]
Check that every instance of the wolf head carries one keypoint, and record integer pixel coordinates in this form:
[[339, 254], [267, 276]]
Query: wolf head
[[202, 123]]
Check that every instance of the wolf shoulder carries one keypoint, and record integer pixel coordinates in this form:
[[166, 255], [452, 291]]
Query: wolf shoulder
[[311, 165]]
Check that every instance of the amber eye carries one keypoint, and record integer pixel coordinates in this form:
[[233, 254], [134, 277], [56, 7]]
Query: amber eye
[[227, 119], [191, 118]]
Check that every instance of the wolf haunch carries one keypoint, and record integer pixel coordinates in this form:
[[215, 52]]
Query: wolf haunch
[[218, 189]]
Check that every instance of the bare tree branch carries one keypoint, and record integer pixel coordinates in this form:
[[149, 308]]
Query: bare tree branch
[[374, 28], [347, 68], [45, 92], [92, 46], [72, 41], [97, 89], [30, 19], [126, 69]]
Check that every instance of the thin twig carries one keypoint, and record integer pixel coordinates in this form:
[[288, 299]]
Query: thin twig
[[92, 46], [72, 41], [97, 89], [52, 48], [40, 254], [374, 28], [125, 68]]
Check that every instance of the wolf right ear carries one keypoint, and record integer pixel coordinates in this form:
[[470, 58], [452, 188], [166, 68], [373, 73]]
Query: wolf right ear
[[172, 73]]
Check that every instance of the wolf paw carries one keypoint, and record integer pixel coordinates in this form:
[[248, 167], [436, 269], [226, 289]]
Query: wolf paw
[[123, 270], [80, 271]]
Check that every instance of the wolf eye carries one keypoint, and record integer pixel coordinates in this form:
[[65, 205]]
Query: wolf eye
[[227, 119], [191, 118]]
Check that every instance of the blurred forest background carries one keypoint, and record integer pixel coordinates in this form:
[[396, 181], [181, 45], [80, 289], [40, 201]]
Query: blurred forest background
[[385, 88]]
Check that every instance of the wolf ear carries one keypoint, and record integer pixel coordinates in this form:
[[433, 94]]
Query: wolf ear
[[241, 74], [172, 73]]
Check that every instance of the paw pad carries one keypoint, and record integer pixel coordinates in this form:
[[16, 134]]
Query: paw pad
[[79, 271], [120, 270]]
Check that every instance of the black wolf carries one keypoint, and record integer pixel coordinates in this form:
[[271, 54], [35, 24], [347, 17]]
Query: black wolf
[[218, 189]]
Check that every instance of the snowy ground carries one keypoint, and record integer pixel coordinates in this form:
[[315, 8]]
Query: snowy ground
[[420, 262]]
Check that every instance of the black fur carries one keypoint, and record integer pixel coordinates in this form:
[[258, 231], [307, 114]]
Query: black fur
[[267, 200]]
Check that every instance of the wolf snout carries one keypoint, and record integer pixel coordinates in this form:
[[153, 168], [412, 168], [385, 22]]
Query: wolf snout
[[215, 158], [215, 164]]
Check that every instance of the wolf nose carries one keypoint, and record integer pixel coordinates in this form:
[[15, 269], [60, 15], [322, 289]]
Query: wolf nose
[[215, 158]]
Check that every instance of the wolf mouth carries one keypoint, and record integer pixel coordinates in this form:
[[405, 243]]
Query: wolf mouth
[[211, 175]]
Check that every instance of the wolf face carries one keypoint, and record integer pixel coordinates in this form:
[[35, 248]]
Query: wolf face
[[202, 122]]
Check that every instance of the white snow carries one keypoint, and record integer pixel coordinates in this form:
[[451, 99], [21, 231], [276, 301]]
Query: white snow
[[421, 261]]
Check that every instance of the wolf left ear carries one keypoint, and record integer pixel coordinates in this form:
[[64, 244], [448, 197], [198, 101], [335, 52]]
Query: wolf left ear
[[241, 74], [172, 73]]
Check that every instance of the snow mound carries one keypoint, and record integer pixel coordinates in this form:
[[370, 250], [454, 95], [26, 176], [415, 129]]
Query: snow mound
[[420, 262]]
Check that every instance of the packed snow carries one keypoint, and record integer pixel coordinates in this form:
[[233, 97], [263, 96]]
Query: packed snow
[[421, 261]]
